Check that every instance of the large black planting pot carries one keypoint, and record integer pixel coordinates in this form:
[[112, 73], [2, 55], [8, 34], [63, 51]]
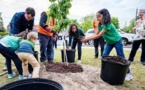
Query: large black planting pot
[[114, 71], [32, 84], [70, 55]]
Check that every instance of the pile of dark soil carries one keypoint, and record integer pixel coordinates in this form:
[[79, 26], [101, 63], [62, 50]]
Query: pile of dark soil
[[116, 59], [62, 68]]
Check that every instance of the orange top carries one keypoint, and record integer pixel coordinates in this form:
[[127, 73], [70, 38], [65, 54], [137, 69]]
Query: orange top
[[43, 31], [52, 22], [95, 25]]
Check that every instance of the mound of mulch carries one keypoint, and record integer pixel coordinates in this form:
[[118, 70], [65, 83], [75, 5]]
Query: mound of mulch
[[116, 59], [62, 68]]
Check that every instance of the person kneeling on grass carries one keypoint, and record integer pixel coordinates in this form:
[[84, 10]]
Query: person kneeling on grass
[[8, 46], [110, 34], [25, 53]]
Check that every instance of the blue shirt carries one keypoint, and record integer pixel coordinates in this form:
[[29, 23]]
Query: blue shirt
[[19, 23], [26, 46]]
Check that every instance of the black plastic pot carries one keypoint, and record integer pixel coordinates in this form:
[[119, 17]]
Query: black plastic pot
[[32, 84], [70, 55], [113, 73]]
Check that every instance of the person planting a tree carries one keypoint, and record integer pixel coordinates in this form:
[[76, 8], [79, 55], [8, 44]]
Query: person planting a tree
[[110, 34], [75, 34]]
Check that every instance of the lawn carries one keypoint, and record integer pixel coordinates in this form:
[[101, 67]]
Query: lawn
[[137, 69]]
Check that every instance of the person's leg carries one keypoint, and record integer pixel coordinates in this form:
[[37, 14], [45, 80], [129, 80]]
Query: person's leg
[[135, 46], [55, 44], [36, 67], [10, 53], [79, 50], [43, 39], [96, 44], [102, 43], [119, 49], [74, 43], [49, 48], [143, 52], [107, 49]]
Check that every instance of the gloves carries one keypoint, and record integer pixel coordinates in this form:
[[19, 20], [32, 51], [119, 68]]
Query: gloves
[[49, 29]]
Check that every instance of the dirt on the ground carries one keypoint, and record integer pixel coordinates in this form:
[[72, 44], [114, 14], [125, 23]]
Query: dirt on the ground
[[89, 79], [63, 67]]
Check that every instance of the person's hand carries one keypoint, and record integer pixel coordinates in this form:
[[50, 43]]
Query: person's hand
[[84, 40], [68, 47], [48, 29], [134, 29]]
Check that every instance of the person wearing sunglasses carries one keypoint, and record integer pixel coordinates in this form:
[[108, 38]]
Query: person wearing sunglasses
[[22, 21]]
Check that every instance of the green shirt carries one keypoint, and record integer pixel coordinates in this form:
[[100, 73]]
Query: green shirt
[[11, 41], [111, 35]]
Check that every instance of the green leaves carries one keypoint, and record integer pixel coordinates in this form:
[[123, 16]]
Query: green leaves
[[52, 0], [59, 11], [115, 21]]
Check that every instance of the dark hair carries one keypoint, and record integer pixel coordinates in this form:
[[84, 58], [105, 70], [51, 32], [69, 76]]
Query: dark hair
[[70, 29], [106, 16], [31, 11], [23, 34]]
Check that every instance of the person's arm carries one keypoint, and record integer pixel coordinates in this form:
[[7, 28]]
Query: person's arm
[[15, 25], [94, 36], [30, 28]]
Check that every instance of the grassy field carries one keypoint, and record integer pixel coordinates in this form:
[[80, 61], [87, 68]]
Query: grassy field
[[137, 70]]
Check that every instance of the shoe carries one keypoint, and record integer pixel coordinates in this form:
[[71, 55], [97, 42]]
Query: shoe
[[142, 62], [20, 77], [27, 77], [4, 69], [128, 77], [51, 61], [79, 62], [95, 57], [11, 75]]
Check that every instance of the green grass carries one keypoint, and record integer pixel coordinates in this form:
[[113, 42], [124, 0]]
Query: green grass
[[137, 70]]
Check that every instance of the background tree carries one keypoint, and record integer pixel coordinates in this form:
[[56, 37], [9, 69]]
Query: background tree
[[129, 27], [1, 24], [87, 22], [59, 9], [115, 21]]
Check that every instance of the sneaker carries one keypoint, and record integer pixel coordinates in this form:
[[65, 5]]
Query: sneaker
[[20, 77], [142, 62], [95, 57], [128, 77], [11, 75], [79, 62], [4, 69], [51, 61], [27, 77]]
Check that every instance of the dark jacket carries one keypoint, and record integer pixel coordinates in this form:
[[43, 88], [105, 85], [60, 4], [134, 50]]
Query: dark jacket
[[19, 23], [75, 36], [43, 20]]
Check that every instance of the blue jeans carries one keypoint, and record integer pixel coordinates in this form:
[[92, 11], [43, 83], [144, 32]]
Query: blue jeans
[[9, 55], [96, 44], [46, 47], [119, 49]]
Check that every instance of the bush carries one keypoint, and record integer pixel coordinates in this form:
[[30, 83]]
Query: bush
[[4, 33]]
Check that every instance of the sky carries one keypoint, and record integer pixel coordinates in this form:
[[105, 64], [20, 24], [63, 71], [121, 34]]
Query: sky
[[125, 10]]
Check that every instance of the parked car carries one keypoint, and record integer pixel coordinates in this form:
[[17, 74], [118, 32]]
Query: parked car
[[126, 37]]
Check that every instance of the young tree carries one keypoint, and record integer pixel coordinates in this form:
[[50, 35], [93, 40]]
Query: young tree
[[59, 10]]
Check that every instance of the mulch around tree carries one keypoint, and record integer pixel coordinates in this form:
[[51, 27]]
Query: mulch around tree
[[62, 68]]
